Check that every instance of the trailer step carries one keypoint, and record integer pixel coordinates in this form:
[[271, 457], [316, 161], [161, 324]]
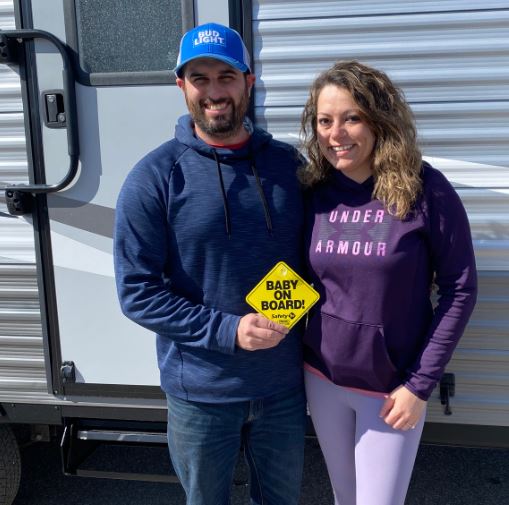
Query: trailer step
[[79, 443]]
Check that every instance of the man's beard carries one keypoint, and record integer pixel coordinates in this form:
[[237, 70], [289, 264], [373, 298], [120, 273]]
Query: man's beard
[[224, 126]]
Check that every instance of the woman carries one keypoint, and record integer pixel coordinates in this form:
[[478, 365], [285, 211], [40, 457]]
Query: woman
[[384, 226]]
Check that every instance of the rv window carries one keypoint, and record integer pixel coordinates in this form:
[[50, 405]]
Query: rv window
[[126, 37]]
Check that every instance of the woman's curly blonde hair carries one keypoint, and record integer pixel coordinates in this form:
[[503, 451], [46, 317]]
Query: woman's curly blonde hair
[[396, 160]]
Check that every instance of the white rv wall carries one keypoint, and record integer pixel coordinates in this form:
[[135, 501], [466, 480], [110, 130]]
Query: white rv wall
[[452, 60]]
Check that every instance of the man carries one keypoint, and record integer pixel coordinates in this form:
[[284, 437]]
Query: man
[[200, 221]]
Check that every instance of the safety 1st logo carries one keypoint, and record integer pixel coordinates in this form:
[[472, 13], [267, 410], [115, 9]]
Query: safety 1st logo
[[282, 296], [209, 37]]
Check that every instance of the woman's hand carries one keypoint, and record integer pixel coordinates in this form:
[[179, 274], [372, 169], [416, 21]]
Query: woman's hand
[[402, 409]]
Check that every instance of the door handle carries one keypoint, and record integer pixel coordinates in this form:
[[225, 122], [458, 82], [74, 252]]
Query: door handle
[[10, 40], [54, 109]]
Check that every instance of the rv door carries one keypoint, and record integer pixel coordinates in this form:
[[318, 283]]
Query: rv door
[[127, 104]]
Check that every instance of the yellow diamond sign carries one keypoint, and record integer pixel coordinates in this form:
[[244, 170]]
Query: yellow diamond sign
[[282, 296]]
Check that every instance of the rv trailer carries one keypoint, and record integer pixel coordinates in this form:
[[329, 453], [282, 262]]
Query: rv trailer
[[86, 90]]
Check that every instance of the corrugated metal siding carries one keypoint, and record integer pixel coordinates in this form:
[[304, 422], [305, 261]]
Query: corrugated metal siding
[[288, 9], [21, 346], [10, 93], [22, 370], [17, 244], [433, 56], [471, 140], [452, 61], [481, 361]]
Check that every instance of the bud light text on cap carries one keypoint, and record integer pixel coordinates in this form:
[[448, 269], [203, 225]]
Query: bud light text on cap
[[215, 41]]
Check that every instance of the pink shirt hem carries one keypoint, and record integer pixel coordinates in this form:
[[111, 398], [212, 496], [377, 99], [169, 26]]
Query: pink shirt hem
[[374, 394]]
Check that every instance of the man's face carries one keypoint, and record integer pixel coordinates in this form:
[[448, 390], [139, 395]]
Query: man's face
[[217, 96]]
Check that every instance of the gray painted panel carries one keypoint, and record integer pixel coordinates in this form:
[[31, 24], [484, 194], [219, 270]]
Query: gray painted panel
[[118, 125], [211, 11], [49, 75], [49, 15], [106, 347]]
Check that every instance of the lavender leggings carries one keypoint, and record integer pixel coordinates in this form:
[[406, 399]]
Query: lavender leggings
[[369, 463]]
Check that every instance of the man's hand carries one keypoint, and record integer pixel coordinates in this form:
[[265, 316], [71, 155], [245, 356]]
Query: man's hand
[[256, 332], [402, 409]]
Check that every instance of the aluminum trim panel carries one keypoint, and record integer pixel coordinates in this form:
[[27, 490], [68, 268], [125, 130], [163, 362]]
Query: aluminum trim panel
[[17, 244], [432, 56], [282, 9], [7, 21], [10, 90], [22, 367], [13, 157], [467, 141], [451, 60]]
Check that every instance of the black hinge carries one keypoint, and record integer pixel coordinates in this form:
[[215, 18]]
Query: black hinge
[[18, 202], [447, 389], [9, 49], [68, 372]]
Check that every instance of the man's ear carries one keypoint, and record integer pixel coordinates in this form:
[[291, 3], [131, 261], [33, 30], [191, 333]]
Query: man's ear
[[250, 78], [180, 83]]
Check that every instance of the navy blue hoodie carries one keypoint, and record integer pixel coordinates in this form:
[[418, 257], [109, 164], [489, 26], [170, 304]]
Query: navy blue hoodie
[[376, 328], [194, 234]]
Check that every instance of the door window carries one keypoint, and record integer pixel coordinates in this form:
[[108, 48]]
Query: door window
[[127, 41]]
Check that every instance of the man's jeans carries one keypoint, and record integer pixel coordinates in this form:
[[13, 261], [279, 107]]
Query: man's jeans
[[205, 438]]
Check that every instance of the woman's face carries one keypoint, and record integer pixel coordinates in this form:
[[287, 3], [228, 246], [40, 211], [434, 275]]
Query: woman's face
[[345, 139]]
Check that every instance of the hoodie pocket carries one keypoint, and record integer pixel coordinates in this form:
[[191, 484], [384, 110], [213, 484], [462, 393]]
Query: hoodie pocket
[[354, 354]]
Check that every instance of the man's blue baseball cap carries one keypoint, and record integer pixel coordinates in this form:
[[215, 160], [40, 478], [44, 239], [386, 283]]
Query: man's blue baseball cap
[[216, 41]]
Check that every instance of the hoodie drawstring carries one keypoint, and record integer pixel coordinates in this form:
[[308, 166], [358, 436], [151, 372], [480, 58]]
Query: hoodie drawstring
[[266, 211], [227, 219], [265, 205]]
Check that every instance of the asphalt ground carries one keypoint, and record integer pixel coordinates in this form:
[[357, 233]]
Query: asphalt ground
[[442, 476]]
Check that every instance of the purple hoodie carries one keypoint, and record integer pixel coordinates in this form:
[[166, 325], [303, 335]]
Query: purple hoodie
[[375, 327]]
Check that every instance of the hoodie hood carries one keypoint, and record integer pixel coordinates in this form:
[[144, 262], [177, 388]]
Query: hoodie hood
[[350, 192], [342, 182], [184, 133]]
